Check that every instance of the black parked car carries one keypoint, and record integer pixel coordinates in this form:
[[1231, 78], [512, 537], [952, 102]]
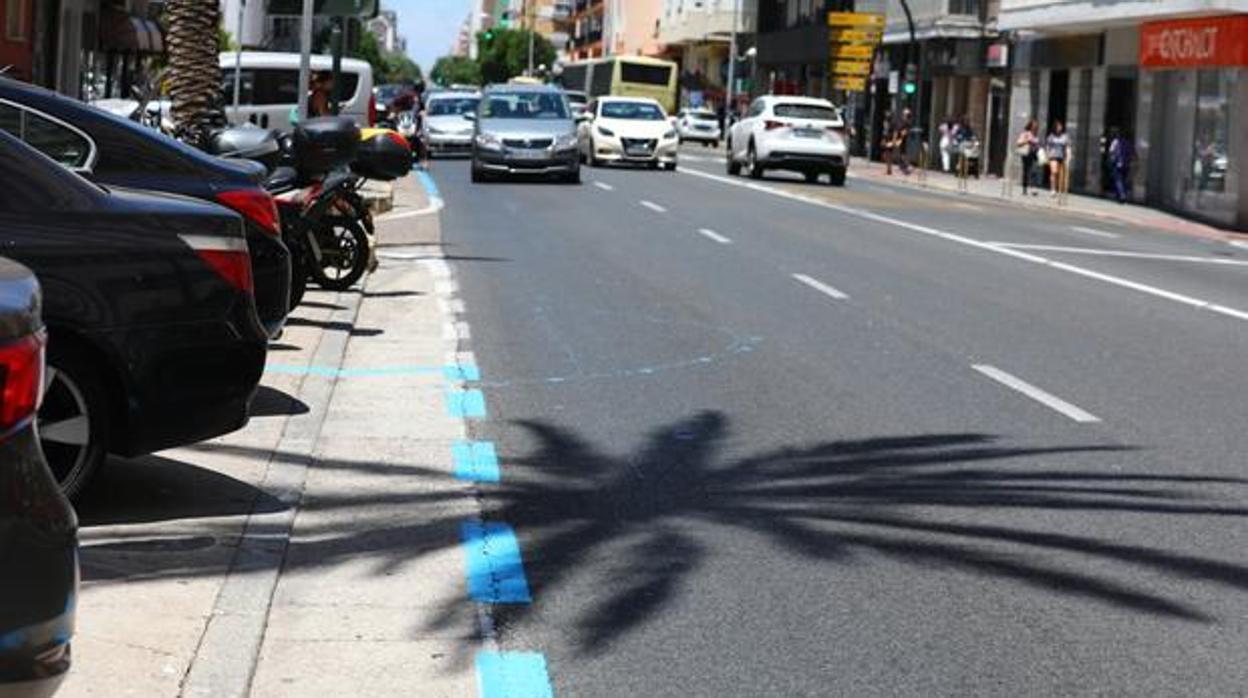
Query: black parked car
[[112, 151], [38, 530], [153, 337]]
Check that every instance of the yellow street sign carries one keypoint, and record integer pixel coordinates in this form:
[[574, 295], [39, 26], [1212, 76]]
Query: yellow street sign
[[855, 19], [856, 36], [852, 51], [851, 68], [849, 84]]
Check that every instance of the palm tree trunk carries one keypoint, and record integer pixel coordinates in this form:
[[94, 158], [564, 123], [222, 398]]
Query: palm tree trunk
[[194, 74]]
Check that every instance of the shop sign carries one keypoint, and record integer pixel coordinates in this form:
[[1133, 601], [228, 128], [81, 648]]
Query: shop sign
[[862, 52], [1216, 41], [998, 55], [856, 36]]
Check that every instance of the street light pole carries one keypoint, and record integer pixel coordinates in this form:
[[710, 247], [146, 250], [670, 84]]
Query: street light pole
[[238, 55], [305, 58], [729, 96], [528, 4]]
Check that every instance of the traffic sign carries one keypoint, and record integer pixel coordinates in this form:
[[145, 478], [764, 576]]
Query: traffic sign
[[855, 36], [862, 52], [851, 68], [855, 19], [849, 84]]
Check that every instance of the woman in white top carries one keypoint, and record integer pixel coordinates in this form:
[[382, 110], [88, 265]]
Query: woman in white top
[[1057, 147]]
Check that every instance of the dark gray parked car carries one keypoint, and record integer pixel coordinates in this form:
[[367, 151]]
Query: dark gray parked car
[[38, 530]]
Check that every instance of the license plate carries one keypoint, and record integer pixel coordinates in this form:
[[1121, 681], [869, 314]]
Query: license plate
[[528, 154], [637, 151], [807, 133]]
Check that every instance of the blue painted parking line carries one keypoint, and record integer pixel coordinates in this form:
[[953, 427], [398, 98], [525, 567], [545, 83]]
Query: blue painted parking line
[[465, 404], [495, 571], [513, 675], [464, 373], [475, 461]]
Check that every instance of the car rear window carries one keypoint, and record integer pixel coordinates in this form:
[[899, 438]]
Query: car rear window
[[277, 86], [703, 116], [807, 111]]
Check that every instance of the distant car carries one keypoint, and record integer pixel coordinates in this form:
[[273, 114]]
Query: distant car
[[117, 152], [699, 126], [524, 129], [38, 530], [578, 101], [628, 129], [269, 89], [153, 338], [447, 123], [800, 134]]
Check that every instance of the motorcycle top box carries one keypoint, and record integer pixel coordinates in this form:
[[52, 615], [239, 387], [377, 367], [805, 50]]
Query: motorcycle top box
[[384, 156], [324, 144]]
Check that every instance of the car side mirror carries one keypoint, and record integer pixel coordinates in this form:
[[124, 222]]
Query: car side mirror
[[470, 116]]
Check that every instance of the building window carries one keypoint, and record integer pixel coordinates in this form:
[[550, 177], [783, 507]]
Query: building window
[[1211, 151], [15, 14]]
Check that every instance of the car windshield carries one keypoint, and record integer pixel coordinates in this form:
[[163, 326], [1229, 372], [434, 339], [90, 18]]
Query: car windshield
[[450, 106], [386, 93], [524, 105], [808, 111], [642, 111]]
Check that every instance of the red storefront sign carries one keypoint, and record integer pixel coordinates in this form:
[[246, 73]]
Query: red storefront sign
[[1191, 43]]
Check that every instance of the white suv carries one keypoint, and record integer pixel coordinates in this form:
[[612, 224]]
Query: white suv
[[800, 134]]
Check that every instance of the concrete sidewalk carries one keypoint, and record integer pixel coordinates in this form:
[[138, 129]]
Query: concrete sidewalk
[[317, 551], [996, 188]]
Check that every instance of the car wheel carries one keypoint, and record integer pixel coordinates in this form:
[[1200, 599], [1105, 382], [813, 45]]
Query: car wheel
[[751, 162], [73, 420], [477, 175], [669, 166], [836, 178], [734, 167], [573, 177], [812, 177], [593, 155]]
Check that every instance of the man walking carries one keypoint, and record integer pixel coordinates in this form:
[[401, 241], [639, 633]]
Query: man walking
[[1121, 154]]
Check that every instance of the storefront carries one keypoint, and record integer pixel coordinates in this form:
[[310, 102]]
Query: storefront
[[1193, 110]]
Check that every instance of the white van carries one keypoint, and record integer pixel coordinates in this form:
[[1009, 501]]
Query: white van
[[270, 88]]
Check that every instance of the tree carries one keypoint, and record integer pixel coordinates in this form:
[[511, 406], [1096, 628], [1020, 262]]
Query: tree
[[505, 53], [194, 76], [392, 67], [401, 69], [456, 70]]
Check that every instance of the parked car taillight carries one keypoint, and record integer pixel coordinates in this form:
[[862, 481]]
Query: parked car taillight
[[773, 125], [372, 111], [21, 375], [228, 257], [256, 205]]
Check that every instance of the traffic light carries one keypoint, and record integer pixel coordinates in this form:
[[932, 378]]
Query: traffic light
[[911, 83]]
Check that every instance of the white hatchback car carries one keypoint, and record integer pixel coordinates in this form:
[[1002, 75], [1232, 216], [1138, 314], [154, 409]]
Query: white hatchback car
[[627, 129], [799, 134]]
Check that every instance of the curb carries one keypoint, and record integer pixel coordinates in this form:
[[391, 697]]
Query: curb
[[229, 648]]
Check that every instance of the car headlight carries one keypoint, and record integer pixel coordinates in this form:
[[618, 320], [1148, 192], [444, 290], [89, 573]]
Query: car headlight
[[489, 141], [603, 131], [567, 140], [670, 135]]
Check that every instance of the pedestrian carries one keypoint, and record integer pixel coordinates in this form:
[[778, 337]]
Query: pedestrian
[[1121, 154], [1026, 145], [966, 145], [947, 128], [900, 137], [321, 94], [1057, 146]]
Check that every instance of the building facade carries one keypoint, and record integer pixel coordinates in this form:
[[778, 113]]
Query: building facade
[[1173, 76], [698, 34], [385, 28], [585, 29]]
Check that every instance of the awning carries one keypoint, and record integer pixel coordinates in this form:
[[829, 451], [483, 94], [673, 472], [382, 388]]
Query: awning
[[124, 33]]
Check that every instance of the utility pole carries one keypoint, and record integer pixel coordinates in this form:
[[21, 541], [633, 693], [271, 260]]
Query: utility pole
[[305, 58], [528, 11], [729, 96], [238, 55]]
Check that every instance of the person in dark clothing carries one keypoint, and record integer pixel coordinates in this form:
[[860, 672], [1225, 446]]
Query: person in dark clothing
[[1121, 154], [321, 94], [1027, 145]]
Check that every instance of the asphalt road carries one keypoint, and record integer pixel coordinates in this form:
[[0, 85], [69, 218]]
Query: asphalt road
[[783, 439]]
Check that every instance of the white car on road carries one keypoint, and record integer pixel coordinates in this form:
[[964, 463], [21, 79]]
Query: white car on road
[[799, 134], [627, 129], [699, 125], [448, 126]]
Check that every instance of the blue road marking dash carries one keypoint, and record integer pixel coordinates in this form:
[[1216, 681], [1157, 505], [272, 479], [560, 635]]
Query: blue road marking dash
[[513, 675], [465, 404], [476, 461], [462, 372], [495, 571]]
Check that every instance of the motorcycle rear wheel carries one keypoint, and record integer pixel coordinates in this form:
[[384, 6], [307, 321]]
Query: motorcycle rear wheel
[[344, 251]]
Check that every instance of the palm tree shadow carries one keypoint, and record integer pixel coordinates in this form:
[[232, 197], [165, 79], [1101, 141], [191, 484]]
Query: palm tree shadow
[[903, 498]]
